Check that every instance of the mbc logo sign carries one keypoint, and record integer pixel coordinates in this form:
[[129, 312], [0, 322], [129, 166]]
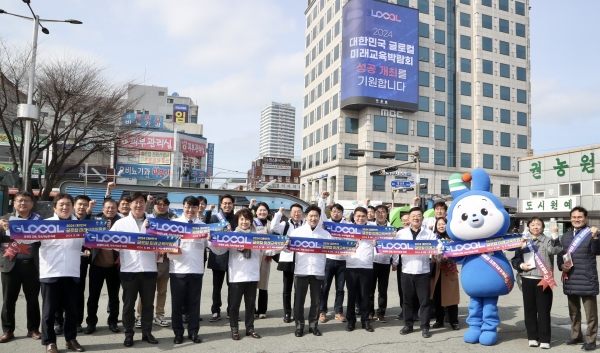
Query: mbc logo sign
[[385, 15], [41, 229]]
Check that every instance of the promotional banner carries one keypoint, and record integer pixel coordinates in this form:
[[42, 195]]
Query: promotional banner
[[143, 171], [210, 159], [322, 246], [13, 248], [548, 279], [253, 241], [155, 141], [55, 229], [361, 232], [131, 241], [193, 148], [155, 157], [157, 226], [180, 113], [144, 120], [463, 248], [407, 247]]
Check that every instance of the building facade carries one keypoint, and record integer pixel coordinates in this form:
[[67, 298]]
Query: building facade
[[277, 130], [473, 100], [277, 174]]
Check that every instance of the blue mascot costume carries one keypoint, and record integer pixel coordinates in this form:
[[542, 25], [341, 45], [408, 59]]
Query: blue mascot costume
[[475, 215]]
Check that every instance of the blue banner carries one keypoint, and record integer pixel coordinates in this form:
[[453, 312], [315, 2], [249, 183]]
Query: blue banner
[[131, 241], [210, 159], [322, 246], [407, 247], [157, 226], [144, 121], [53, 229], [361, 232], [463, 248], [142, 171], [253, 241]]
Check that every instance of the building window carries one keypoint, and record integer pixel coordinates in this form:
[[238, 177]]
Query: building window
[[380, 123], [350, 182], [303, 163], [521, 119], [503, 25], [304, 142], [351, 125], [465, 136], [334, 128], [333, 152], [504, 70], [335, 100], [488, 90], [423, 30], [423, 78], [439, 36], [169, 100], [487, 44], [317, 159], [522, 142], [503, 5], [465, 112], [401, 148], [537, 194], [504, 48], [439, 157], [465, 42], [504, 190], [424, 155], [440, 60], [424, 54], [504, 139], [521, 73], [335, 81], [488, 137], [347, 147], [466, 2], [488, 161], [486, 21], [378, 182], [310, 161], [521, 52], [424, 190], [486, 3], [423, 104], [439, 107], [445, 188], [465, 65], [423, 6], [439, 132], [520, 30], [519, 8], [310, 140], [439, 13], [403, 2], [325, 131], [505, 116], [465, 19], [440, 84], [521, 96], [504, 162], [318, 136], [488, 113], [505, 93], [487, 67], [422, 128], [465, 88], [312, 117], [465, 160], [402, 126]]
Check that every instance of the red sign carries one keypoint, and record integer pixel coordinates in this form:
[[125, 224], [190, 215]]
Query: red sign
[[192, 148], [149, 143]]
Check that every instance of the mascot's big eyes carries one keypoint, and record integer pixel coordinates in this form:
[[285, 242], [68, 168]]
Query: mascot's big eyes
[[464, 216], [484, 211]]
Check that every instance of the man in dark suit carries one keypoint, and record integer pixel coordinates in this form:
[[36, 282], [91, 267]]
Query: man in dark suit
[[20, 270]]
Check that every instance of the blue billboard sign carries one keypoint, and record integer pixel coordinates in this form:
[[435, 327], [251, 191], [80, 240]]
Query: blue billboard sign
[[210, 159], [380, 59], [196, 175], [143, 171], [144, 121]]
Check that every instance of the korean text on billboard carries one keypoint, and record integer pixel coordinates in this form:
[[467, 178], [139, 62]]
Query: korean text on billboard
[[180, 113]]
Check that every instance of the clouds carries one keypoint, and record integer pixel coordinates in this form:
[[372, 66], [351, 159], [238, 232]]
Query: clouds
[[554, 103]]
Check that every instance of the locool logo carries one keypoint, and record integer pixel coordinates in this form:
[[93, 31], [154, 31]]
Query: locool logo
[[345, 230], [385, 15], [168, 228], [305, 244], [41, 229], [467, 246], [111, 238], [234, 239], [397, 246]]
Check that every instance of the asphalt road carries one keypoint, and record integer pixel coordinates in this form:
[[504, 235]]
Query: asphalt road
[[279, 337]]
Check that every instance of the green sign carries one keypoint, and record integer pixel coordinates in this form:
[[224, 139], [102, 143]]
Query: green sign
[[34, 169]]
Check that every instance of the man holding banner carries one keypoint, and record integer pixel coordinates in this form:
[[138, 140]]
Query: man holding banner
[[381, 270]]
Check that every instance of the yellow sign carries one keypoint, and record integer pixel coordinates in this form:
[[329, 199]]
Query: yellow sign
[[155, 157]]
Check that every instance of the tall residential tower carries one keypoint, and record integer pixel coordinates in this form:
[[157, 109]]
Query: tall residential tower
[[277, 130]]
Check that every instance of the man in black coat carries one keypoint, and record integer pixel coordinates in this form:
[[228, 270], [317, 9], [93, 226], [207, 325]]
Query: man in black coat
[[580, 278]]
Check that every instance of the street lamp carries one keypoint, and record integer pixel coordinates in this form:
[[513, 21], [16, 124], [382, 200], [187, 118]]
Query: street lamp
[[29, 111]]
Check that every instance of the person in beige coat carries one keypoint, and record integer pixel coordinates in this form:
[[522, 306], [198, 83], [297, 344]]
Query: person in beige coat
[[263, 225]]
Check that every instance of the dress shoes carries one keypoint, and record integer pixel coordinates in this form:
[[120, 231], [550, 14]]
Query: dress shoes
[[455, 326], [315, 331], [75, 346], [79, 329], [178, 339], [36, 335], [51, 348], [589, 346], [350, 327], [235, 336], [425, 333], [287, 319], [89, 330], [194, 338], [299, 332], [114, 328], [7, 337], [437, 325], [128, 341], [253, 334], [406, 330], [573, 341], [150, 339], [368, 327]]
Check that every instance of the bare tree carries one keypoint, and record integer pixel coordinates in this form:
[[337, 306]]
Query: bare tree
[[85, 111]]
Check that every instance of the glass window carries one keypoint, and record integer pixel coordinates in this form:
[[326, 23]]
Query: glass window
[[440, 84], [465, 65], [504, 48], [520, 29], [522, 141], [486, 21], [380, 146], [325, 155], [439, 157], [504, 190], [402, 148], [521, 119], [488, 113], [334, 128], [465, 88], [465, 112], [325, 131], [503, 25], [422, 128], [465, 136], [335, 78], [326, 109], [487, 66], [351, 125], [440, 13], [318, 136], [440, 60], [424, 78], [439, 107], [465, 160], [488, 90], [423, 104], [488, 161], [487, 44], [423, 30], [380, 123], [424, 156], [521, 52], [350, 182], [521, 96], [347, 148], [304, 163], [425, 181], [505, 116], [488, 137], [333, 152], [466, 2], [304, 141], [465, 42], [504, 139], [465, 19], [403, 2], [519, 8], [504, 162], [402, 126], [317, 159], [521, 73], [319, 113], [504, 70], [505, 93], [439, 132], [311, 140], [424, 54], [440, 36], [503, 5], [378, 182], [423, 6], [486, 3]]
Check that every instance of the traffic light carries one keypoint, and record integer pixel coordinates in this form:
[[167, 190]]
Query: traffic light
[[391, 169]]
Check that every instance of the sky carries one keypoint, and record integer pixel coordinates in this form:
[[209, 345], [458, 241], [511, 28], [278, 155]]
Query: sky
[[233, 57]]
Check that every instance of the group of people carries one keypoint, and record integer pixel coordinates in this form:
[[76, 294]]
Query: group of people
[[428, 286]]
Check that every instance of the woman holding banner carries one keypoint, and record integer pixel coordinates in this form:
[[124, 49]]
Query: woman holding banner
[[537, 299], [263, 225]]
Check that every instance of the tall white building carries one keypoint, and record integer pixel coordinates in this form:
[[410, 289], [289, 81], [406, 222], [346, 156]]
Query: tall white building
[[473, 108], [277, 130]]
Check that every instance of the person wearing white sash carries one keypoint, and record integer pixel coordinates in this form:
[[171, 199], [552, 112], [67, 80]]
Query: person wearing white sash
[[381, 270], [263, 225]]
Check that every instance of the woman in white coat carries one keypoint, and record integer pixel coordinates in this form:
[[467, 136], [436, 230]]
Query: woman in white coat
[[263, 225]]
